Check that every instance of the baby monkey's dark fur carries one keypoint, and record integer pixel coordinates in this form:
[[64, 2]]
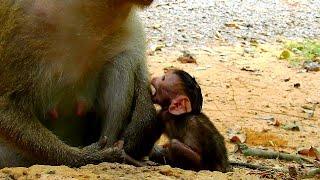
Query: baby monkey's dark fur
[[195, 143]]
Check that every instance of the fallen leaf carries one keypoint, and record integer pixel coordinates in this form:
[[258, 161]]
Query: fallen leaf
[[312, 152], [232, 25], [236, 136], [277, 123], [185, 60], [264, 139], [235, 139], [187, 57]]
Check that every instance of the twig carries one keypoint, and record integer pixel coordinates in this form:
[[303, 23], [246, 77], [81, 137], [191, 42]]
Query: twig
[[272, 154], [258, 167], [312, 173], [290, 115], [267, 112], [233, 97], [219, 109]]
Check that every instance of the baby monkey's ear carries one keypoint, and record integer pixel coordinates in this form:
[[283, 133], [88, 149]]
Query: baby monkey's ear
[[180, 105]]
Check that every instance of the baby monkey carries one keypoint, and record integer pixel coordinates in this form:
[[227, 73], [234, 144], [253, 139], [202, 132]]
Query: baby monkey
[[194, 142]]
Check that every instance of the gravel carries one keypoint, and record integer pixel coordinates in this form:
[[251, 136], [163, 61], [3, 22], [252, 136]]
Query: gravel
[[194, 23]]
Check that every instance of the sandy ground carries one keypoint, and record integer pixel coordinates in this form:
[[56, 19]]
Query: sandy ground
[[243, 90], [247, 92], [115, 171]]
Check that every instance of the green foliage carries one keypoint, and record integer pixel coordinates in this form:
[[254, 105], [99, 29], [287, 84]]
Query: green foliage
[[300, 51]]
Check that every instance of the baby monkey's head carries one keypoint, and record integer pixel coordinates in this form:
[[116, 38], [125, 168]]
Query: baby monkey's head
[[177, 92]]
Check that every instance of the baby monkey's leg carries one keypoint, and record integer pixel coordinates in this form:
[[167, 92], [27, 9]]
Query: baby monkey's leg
[[176, 154], [181, 155]]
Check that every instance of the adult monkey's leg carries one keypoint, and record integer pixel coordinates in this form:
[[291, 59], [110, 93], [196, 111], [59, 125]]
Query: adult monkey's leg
[[116, 96], [143, 130], [126, 106]]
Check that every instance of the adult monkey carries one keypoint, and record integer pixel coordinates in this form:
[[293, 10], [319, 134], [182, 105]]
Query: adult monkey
[[59, 59]]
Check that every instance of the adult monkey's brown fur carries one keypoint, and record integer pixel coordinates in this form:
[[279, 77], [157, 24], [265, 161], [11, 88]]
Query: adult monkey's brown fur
[[54, 53]]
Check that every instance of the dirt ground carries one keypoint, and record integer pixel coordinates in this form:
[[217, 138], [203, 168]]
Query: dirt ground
[[244, 91], [248, 92]]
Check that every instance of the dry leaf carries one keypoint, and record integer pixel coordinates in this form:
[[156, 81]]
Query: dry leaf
[[185, 60], [312, 152], [236, 136], [232, 25], [264, 139], [235, 139], [187, 57], [277, 123]]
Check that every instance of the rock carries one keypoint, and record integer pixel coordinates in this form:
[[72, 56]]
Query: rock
[[296, 85], [311, 66], [248, 50]]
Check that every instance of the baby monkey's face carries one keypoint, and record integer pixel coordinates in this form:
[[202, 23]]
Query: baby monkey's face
[[169, 92], [165, 88]]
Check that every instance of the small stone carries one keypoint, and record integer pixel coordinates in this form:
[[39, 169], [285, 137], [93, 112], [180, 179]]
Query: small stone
[[200, 68], [51, 172], [297, 85], [286, 80], [311, 66], [267, 118], [247, 50]]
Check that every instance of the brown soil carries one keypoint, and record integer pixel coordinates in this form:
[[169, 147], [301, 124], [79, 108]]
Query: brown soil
[[244, 99], [240, 100]]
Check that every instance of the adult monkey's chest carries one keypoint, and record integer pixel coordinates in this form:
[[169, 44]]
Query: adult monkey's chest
[[72, 85], [72, 114], [69, 88], [73, 55]]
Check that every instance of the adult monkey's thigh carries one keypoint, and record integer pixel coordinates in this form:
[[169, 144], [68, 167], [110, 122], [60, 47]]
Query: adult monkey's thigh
[[126, 106], [116, 96], [143, 130]]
